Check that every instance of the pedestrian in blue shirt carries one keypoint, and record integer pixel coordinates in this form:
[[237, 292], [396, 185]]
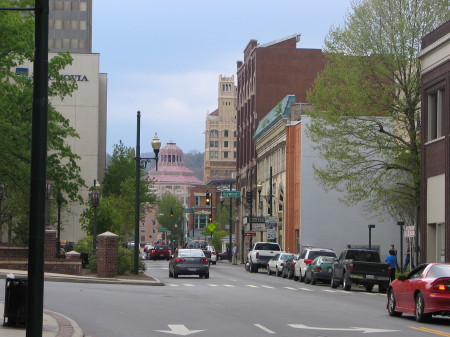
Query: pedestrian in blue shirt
[[392, 260]]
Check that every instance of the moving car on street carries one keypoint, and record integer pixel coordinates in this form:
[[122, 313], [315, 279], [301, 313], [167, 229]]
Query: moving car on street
[[213, 254], [319, 270], [189, 262], [160, 252], [423, 293], [275, 264]]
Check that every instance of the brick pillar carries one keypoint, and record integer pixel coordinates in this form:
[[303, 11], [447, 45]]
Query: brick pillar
[[107, 255], [49, 244]]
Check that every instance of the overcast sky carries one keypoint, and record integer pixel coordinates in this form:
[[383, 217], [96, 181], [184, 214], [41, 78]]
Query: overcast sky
[[164, 57]]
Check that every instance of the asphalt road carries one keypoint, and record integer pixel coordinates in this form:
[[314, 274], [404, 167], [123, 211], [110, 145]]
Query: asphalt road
[[232, 302]]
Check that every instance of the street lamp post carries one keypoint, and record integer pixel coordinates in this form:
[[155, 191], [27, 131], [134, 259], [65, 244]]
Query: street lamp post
[[59, 201], [401, 224], [141, 163], [2, 190], [95, 200], [48, 192], [371, 226]]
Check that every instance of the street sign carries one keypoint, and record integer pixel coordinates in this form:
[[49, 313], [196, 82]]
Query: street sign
[[188, 210], [211, 227], [162, 229], [231, 194], [409, 231], [250, 233]]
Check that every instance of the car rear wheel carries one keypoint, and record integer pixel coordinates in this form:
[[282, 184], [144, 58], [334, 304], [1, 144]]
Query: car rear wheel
[[302, 277], [278, 272], [313, 279], [347, 285], [307, 279], [268, 270], [175, 275], [206, 275], [334, 283], [391, 305], [369, 288], [289, 275], [419, 309]]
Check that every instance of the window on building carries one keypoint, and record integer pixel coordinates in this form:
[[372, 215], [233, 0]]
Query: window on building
[[225, 133], [225, 154], [198, 200], [234, 144], [235, 156], [214, 133], [225, 143], [214, 154], [436, 115], [213, 143], [200, 221]]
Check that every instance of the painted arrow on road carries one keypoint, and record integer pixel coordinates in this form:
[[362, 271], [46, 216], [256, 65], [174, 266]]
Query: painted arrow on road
[[363, 330], [179, 330]]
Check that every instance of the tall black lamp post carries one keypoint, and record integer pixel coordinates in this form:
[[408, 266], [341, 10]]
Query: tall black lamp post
[[48, 192], [59, 201], [2, 190], [371, 226], [401, 224], [141, 163], [95, 200]]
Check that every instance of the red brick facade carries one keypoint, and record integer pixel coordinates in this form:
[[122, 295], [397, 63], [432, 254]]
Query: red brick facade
[[107, 255]]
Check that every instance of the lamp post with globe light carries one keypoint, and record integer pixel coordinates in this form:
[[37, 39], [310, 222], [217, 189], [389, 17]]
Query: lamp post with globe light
[[141, 163]]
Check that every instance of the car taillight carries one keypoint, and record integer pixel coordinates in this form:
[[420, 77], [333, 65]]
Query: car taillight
[[308, 261], [153, 251], [318, 269], [441, 285], [204, 260], [179, 259], [350, 266], [213, 253]]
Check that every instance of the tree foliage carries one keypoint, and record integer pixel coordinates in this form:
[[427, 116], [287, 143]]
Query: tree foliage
[[116, 209], [366, 118], [171, 215], [16, 95]]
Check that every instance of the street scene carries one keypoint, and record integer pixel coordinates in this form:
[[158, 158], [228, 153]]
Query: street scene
[[235, 168]]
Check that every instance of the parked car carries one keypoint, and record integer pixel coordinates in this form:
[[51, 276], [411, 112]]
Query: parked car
[[288, 268], [275, 264], [423, 293], [147, 249], [213, 257], [189, 262], [160, 252], [306, 257], [223, 255], [319, 270]]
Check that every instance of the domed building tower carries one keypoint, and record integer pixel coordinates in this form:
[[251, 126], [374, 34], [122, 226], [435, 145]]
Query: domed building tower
[[172, 176]]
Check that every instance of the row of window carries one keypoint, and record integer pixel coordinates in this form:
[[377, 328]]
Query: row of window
[[67, 24], [215, 143], [226, 133], [78, 5], [221, 174], [67, 44], [225, 154]]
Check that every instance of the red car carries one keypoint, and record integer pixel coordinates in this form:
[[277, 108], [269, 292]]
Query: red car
[[159, 252], [423, 293]]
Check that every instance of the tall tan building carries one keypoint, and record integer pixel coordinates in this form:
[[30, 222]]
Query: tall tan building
[[220, 136]]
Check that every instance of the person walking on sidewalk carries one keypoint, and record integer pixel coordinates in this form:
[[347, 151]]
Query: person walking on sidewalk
[[408, 257], [234, 251], [392, 260]]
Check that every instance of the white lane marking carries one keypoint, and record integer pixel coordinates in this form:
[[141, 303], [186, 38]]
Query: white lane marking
[[251, 286], [364, 330], [179, 329], [263, 328], [228, 285], [213, 285], [306, 289], [290, 288], [188, 285], [173, 285], [268, 287]]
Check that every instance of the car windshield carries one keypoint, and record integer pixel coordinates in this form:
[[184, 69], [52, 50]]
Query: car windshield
[[326, 259], [365, 256], [197, 244], [439, 270], [191, 253], [284, 257]]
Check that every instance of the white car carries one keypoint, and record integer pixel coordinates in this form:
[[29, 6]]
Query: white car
[[276, 263], [306, 257], [213, 257]]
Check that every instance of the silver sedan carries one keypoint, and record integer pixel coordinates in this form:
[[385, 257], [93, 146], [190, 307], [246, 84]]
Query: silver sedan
[[189, 262]]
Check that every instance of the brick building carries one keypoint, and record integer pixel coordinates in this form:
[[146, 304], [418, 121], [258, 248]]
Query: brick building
[[268, 73]]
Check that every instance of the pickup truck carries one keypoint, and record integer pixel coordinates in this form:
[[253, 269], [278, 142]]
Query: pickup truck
[[360, 266], [260, 253]]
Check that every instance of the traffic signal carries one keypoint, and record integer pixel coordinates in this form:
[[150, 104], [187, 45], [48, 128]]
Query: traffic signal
[[249, 197], [208, 199], [210, 218], [171, 212]]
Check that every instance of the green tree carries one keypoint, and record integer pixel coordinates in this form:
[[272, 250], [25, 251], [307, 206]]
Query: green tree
[[115, 212], [171, 215], [16, 93], [366, 117]]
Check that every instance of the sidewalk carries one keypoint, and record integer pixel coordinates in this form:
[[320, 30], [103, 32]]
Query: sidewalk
[[55, 324]]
